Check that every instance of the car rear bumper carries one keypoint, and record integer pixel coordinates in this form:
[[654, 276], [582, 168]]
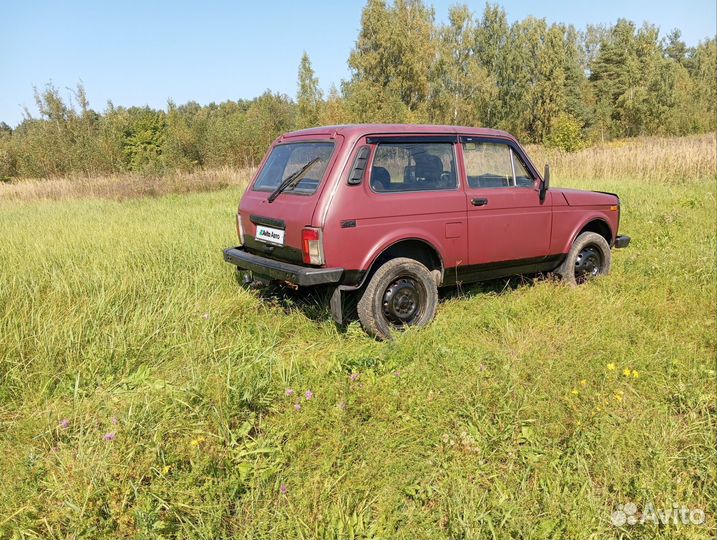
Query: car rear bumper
[[622, 241], [300, 275]]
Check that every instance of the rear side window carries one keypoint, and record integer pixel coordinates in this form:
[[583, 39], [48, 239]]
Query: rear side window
[[494, 165], [413, 166], [286, 159]]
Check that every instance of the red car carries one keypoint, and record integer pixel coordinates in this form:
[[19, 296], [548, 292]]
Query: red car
[[392, 212]]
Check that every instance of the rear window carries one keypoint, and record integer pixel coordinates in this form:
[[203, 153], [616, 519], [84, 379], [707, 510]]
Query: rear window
[[286, 159]]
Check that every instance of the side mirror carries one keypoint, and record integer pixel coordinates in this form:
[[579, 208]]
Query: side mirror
[[545, 184]]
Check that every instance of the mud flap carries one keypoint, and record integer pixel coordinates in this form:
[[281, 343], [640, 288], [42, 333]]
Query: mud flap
[[336, 306]]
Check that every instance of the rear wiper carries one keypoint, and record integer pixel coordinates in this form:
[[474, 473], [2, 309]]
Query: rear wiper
[[291, 180]]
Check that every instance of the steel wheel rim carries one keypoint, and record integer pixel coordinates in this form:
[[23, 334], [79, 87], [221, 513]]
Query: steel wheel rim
[[588, 263], [403, 301]]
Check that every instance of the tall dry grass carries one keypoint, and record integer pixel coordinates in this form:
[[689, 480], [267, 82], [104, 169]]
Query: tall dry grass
[[121, 187], [660, 159]]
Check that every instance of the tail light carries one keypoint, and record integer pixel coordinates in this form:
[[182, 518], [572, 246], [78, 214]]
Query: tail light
[[312, 249], [240, 229]]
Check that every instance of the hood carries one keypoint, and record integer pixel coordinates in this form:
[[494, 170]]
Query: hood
[[579, 197]]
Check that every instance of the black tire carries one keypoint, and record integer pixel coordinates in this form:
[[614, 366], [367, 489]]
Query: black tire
[[401, 293], [589, 257]]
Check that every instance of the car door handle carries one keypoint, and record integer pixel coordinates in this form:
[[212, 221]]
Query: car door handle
[[479, 202]]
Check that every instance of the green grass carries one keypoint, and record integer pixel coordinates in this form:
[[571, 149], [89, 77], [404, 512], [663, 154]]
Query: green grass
[[469, 428]]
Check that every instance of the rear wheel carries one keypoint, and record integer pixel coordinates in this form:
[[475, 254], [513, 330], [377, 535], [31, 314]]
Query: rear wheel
[[589, 257], [401, 293]]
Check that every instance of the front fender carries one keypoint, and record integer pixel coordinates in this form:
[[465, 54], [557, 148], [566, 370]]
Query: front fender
[[585, 220]]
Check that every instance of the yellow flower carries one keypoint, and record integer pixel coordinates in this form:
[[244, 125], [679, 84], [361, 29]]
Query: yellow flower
[[611, 366], [583, 382], [618, 397], [574, 392], [635, 374], [626, 372], [197, 441], [166, 468]]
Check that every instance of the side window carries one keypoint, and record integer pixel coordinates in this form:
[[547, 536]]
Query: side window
[[413, 167], [494, 165], [522, 176]]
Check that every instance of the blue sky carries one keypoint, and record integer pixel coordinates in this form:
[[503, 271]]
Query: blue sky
[[142, 53]]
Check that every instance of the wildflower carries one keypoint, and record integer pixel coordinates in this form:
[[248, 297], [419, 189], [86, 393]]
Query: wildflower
[[283, 489], [354, 377], [297, 407], [197, 441], [635, 374], [396, 373], [626, 372], [309, 394], [289, 392], [166, 468], [110, 436], [205, 316], [574, 392], [114, 421], [583, 382], [64, 423], [618, 397], [611, 366]]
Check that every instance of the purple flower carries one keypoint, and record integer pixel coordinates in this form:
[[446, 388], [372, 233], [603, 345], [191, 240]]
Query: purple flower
[[297, 406], [354, 377], [289, 392], [309, 394], [64, 423], [397, 373], [115, 421], [283, 489], [110, 436]]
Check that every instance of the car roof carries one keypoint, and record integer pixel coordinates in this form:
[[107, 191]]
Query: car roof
[[360, 130]]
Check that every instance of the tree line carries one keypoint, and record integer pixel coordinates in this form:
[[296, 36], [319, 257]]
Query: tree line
[[545, 83]]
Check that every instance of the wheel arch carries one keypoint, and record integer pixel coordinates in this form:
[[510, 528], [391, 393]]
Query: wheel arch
[[417, 248], [596, 224]]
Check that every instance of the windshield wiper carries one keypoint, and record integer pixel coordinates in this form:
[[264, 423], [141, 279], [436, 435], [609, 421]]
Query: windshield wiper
[[291, 180]]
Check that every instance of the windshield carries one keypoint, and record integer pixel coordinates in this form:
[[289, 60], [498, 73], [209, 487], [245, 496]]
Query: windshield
[[286, 159]]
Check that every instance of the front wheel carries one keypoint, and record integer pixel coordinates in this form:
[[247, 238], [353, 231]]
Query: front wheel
[[401, 293], [589, 257]]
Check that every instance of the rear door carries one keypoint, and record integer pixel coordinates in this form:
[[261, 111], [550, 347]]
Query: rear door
[[273, 229], [507, 222]]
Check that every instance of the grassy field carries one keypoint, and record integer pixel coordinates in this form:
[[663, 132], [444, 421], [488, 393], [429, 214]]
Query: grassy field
[[143, 393]]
